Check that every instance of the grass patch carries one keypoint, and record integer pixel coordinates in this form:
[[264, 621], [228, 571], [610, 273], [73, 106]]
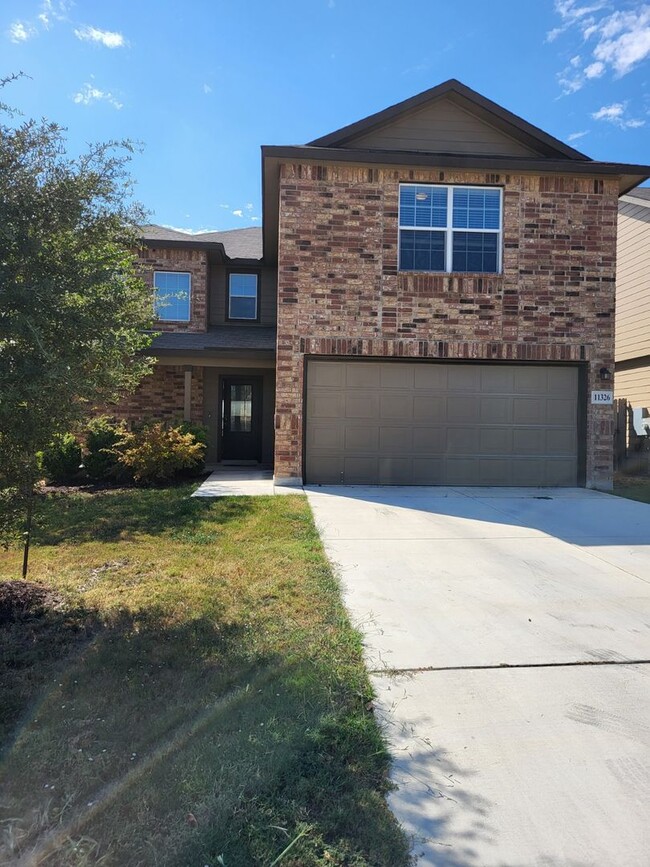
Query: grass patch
[[188, 691], [632, 487]]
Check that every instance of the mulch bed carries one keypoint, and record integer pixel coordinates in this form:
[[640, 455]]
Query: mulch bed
[[22, 600]]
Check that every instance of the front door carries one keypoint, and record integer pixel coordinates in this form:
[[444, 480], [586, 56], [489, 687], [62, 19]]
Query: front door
[[241, 428]]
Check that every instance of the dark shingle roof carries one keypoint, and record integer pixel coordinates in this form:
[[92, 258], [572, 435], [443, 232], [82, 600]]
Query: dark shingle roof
[[218, 337], [237, 243], [640, 193]]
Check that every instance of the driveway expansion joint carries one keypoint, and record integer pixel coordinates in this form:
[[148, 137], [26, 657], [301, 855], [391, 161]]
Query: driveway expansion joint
[[394, 672]]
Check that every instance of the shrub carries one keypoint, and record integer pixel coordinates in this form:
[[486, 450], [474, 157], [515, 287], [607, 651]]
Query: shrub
[[156, 453], [61, 460], [101, 461], [200, 434]]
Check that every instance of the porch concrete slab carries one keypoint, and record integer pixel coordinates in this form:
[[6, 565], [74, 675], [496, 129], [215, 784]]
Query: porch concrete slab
[[237, 482], [491, 601], [519, 767]]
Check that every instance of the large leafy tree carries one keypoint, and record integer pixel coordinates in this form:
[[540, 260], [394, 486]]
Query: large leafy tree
[[73, 308]]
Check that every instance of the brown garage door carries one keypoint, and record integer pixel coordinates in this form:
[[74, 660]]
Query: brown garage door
[[418, 423]]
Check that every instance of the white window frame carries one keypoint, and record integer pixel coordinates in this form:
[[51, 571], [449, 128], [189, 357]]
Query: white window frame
[[255, 318], [449, 228], [189, 297]]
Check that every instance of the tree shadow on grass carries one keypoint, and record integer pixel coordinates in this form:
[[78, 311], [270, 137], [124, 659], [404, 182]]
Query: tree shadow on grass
[[166, 743], [110, 516]]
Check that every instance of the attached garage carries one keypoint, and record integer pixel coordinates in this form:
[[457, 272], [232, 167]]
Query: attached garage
[[430, 423]]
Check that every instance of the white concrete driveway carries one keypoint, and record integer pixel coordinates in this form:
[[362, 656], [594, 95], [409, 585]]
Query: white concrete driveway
[[508, 633]]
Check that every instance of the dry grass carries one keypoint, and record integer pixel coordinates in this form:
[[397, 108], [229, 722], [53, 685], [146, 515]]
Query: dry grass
[[199, 700], [632, 487]]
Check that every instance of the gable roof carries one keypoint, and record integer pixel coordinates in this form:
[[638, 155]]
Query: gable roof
[[474, 103], [235, 243]]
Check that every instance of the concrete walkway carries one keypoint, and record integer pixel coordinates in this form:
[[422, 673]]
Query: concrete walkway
[[508, 632], [229, 481]]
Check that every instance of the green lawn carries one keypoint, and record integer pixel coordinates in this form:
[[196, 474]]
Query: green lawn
[[191, 693], [632, 487]]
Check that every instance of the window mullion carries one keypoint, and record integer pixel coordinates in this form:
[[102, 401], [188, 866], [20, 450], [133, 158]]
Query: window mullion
[[449, 240]]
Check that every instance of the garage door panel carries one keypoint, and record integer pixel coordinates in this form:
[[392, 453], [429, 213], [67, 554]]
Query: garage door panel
[[329, 375], [403, 422], [530, 380], [432, 377], [328, 469], [495, 441], [464, 378], [560, 442], [395, 404], [397, 376], [494, 410], [363, 375], [360, 470], [560, 473], [395, 439], [561, 412], [430, 440], [428, 471], [497, 380], [462, 441], [361, 439], [325, 436], [361, 405], [429, 407], [326, 404], [395, 471], [462, 409]]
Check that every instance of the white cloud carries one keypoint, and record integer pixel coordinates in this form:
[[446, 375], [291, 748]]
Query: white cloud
[[51, 10], [227, 207], [256, 219], [90, 94], [21, 31], [249, 206], [207, 88], [238, 213], [620, 40], [108, 38], [190, 231], [615, 113], [576, 135]]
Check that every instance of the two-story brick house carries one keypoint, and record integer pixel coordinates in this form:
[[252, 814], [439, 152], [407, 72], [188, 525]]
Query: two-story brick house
[[441, 277]]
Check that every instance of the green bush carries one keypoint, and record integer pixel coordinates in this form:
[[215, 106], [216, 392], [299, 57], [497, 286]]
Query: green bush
[[156, 453], [61, 460], [101, 461], [200, 434]]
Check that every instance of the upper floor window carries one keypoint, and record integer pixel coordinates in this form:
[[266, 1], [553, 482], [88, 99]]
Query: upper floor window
[[446, 228], [242, 296], [172, 291]]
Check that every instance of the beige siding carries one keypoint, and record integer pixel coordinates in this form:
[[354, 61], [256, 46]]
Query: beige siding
[[634, 385], [633, 281], [268, 294], [442, 127]]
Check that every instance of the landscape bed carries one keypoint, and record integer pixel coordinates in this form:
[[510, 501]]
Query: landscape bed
[[181, 686]]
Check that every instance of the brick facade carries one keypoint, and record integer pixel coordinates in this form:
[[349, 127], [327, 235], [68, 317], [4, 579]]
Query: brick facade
[[161, 396], [175, 259], [340, 293]]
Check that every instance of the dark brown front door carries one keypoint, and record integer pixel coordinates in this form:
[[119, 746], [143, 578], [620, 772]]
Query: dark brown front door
[[241, 417]]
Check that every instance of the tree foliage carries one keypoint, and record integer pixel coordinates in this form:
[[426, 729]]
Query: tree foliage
[[73, 308]]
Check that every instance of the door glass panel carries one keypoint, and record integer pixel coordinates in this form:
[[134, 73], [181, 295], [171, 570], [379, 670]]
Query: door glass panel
[[241, 408]]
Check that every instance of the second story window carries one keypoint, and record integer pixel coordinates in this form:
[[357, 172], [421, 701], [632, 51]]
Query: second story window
[[447, 228], [243, 296], [172, 291]]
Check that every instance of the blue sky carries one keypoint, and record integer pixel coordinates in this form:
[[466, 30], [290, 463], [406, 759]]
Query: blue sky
[[203, 83]]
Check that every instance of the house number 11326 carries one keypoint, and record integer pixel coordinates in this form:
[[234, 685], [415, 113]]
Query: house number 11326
[[602, 397]]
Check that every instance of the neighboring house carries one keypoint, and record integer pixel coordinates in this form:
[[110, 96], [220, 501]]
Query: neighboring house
[[441, 277], [633, 304]]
